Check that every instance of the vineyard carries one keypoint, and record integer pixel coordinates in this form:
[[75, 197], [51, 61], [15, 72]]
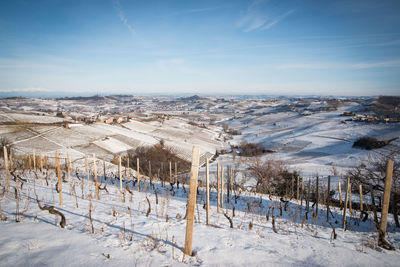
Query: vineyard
[[55, 211]]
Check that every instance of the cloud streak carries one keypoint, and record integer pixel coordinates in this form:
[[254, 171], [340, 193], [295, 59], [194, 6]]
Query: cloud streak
[[277, 20], [380, 64], [123, 18], [365, 65], [25, 90], [256, 18], [190, 11]]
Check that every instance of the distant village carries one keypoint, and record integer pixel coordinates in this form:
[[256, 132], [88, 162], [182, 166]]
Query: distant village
[[369, 118], [108, 119]]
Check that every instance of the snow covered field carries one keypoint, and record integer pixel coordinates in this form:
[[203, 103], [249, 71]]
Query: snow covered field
[[310, 139], [124, 235]]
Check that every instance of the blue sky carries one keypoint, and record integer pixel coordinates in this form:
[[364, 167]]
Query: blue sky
[[204, 47]]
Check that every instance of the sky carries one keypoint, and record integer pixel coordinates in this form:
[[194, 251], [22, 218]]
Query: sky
[[294, 47]]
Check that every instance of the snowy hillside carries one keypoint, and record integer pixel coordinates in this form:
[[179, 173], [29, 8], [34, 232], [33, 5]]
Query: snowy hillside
[[122, 229]]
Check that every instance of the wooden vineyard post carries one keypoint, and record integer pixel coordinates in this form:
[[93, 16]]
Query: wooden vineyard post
[[208, 192], [176, 172], [218, 189], [345, 204], [150, 175], [87, 167], [317, 196], [328, 198], [10, 160], [298, 188], [120, 174], [162, 174], [138, 173], [194, 172], [222, 187], [68, 167], [170, 172], [350, 200], [301, 195], [6, 167], [340, 193], [228, 183], [41, 167], [34, 161], [127, 164], [361, 198], [386, 196], [308, 195], [104, 169], [292, 188], [59, 178], [150, 169], [95, 177]]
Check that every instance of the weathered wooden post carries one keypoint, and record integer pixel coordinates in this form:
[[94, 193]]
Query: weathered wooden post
[[328, 198], [176, 172], [126, 165], [386, 196], [192, 201], [208, 192], [34, 161], [59, 178], [170, 172], [10, 159], [87, 167], [150, 175], [150, 169], [228, 186], [138, 173], [120, 174], [361, 198], [231, 181], [68, 167], [29, 162], [162, 174], [6, 167], [308, 195], [292, 188], [301, 195], [350, 199], [218, 189], [41, 167], [340, 193], [104, 169], [345, 204], [317, 197], [95, 177], [298, 188], [222, 187]]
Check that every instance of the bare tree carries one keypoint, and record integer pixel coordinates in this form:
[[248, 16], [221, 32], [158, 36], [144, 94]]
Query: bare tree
[[371, 175], [269, 174]]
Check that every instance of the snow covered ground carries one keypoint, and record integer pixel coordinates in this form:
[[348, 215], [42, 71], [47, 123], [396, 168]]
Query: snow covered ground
[[123, 234], [314, 144]]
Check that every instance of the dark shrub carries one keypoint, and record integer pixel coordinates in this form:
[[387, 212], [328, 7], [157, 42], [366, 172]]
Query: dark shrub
[[370, 143], [251, 149]]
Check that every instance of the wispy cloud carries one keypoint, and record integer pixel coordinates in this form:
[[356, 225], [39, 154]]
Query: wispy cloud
[[25, 90], [256, 17], [122, 17], [309, 66], [190, 11], [366, 65], [381, 64], [277, 20]]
